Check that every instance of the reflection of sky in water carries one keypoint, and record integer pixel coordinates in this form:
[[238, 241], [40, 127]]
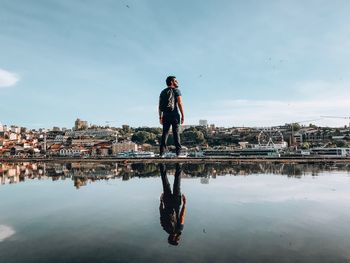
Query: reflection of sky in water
[[233, 218]]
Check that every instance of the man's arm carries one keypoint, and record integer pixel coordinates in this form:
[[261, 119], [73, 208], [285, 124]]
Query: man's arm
[[183, 210], [181, 107], [161, 203], [160, 116], [160, 112]]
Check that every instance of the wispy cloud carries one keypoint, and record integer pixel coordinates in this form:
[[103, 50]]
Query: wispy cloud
[[7, 78], [279, 189], [321, 89], [316, 99], [275, 112]]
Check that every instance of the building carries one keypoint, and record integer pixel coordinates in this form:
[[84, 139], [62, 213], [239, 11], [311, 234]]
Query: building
[[102, 149], [15, 129], [80, 125], [330, 152], [124, 147], [71, 152], [60, 138], [54, 149], [14, 136], [92, 133]]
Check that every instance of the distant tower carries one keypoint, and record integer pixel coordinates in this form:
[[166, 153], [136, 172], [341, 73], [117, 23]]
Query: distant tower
[[80, 125], [203, 123], [45, 141]]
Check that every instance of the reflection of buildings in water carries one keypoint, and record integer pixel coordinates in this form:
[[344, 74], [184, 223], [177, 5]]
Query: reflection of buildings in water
[[115, 170], [271, 168], [205, 180], [11, 173]]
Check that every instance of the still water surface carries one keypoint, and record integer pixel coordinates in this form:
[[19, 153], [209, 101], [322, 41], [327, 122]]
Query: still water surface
[[215, 213]]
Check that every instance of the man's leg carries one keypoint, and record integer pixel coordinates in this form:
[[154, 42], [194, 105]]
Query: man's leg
[[177, 181], [165, 181], [166, 127], [176, 126], [177, 190]]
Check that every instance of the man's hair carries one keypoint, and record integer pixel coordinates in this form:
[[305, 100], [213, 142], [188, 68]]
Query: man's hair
[[174, 241], [169, 79]]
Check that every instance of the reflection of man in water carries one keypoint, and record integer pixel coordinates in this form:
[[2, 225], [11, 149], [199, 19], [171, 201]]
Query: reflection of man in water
[[171, 218]]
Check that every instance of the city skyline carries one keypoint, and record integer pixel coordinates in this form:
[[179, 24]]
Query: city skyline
[[185, 126], [238, 63]]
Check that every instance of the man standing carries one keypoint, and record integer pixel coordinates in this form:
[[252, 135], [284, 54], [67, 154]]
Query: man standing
[[170, 102]]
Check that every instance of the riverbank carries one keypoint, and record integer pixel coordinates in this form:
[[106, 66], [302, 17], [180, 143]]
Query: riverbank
[[185, 160]]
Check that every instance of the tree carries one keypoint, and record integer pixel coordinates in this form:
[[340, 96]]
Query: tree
[[340, 143], [295, 126], [126, 129], [141, 137], [193, 137], [69, 141], [305, 146], [156, 131]]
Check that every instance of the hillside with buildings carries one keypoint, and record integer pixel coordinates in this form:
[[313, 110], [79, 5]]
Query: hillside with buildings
[[90, 141]]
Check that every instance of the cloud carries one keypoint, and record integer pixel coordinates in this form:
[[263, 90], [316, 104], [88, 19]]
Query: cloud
[[6, 232], [8, 79], [278, 189], [317, 99], [275, 112], [320, 89]]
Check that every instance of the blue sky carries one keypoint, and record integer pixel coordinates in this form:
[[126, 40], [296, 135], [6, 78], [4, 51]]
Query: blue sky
[[251, 63]]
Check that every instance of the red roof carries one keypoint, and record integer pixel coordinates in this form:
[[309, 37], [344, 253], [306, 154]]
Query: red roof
[[55, 146]]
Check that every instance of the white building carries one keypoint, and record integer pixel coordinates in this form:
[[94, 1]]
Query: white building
[[4, 128], [60, 138], [203, 123], [95, 133], [14, 136], [15, 129], [124, 147], [71, 152]]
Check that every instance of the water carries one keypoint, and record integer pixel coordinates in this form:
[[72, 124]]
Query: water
[[233, 213]]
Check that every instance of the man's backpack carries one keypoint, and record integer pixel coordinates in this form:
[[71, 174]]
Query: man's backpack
[[167, 100]]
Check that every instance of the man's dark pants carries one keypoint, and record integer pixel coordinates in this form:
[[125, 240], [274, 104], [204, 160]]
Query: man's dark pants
[[174, 122], [171, 200]]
